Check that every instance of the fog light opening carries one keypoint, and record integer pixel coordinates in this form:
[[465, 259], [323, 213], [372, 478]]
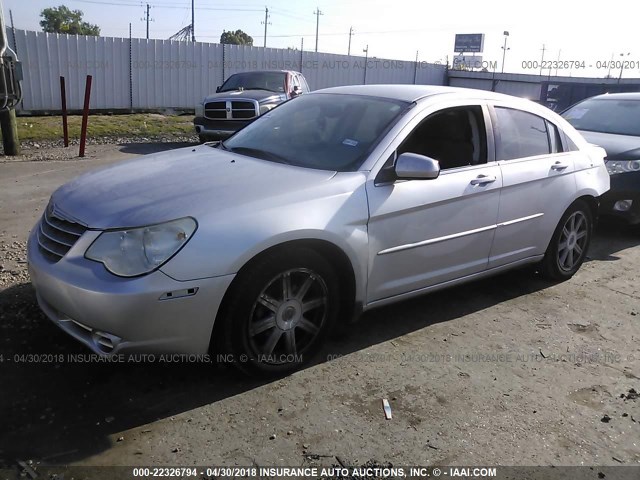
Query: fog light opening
[[623, 205], [105, 342]]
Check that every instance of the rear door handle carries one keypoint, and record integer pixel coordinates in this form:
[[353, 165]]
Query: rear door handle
[[483, 180], [559, 166]]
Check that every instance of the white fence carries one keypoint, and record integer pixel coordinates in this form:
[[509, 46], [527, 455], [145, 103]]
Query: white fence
[[139, 74]]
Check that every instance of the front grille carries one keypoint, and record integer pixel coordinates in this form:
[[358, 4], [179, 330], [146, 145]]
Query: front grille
[[215, 110], [56, 236], [244, 110], [231, 110]]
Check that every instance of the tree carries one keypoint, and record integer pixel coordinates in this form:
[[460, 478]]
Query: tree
[[236, 38], [62, 20]]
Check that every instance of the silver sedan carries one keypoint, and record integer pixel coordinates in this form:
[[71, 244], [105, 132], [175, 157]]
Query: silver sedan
[[331, 204]]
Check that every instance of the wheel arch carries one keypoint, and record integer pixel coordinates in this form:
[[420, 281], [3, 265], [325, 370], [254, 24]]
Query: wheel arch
[[593, 204], [336, 256]]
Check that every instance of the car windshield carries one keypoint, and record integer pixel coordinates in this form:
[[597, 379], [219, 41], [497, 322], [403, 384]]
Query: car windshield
[[323, 131], [606, 115], [272, 81]]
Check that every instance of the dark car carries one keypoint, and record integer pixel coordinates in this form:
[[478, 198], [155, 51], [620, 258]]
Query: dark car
[[243, 98], [612, 121]]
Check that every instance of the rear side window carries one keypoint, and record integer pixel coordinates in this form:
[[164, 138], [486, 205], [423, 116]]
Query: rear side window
[[521, 134], [554, 138], [570, 146]]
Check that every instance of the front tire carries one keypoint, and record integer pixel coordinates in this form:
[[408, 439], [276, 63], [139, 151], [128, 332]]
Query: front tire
[[569, 244], [279, 311]]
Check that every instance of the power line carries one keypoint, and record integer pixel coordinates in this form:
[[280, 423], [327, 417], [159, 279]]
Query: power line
[[291, 15], [173, 6]]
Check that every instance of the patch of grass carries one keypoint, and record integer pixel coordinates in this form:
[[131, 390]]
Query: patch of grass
[[138, 125]]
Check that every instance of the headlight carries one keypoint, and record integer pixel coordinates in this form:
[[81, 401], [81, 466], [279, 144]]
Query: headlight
[[622, 166], [265, 108], [200, 110], [136, 251]]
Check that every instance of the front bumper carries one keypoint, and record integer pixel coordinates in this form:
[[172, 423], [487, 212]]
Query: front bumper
[[624, 186], [112, 315], [218, 129]]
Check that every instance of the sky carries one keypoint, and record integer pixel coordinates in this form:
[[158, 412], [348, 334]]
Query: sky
[[584, 33]]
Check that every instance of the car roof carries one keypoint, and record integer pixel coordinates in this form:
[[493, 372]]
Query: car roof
[[619, 96], [413, 93]]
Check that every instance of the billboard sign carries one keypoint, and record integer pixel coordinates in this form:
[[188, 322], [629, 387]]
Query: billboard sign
[[469, 42]]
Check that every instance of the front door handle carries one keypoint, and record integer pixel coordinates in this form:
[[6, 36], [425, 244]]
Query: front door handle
[[483, 180], [559, 166]]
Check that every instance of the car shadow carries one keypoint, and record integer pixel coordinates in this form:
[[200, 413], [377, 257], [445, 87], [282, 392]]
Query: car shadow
[[60, 408], [61, 403], [143, 148], [611, 238]]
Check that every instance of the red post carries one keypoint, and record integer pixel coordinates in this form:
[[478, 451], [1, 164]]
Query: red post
[[85, 115], [63, 96]]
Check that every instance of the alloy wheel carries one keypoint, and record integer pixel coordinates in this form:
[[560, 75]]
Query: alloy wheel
[[288, 315], [573, 240]]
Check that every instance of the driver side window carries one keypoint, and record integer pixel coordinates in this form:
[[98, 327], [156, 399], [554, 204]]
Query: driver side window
[[456, 137]]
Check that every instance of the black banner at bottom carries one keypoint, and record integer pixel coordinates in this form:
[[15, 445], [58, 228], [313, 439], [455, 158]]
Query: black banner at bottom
[[31, 471]]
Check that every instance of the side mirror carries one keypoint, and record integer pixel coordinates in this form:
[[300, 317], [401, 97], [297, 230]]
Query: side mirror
[[218, 89], [411, 166], [296, 91]]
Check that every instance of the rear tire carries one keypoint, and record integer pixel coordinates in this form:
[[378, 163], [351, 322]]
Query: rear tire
[[279, 311], [569, 244]]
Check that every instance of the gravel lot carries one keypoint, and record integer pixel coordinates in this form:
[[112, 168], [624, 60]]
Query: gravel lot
[[512, 370]]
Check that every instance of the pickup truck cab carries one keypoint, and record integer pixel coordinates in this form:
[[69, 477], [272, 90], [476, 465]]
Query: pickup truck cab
[[242, 98]]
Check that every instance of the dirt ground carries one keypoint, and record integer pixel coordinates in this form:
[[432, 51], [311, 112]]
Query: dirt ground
[[512, 370]]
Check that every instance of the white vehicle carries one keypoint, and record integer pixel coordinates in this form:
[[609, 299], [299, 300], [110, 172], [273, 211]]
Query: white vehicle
[[340, 201]]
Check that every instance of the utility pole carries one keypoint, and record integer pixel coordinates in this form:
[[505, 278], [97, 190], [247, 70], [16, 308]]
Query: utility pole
[[8, 123], [609, 71], [504, 49], [148, 19], [622, 67], [366, 58], [558, 62], [542, 60], [350, 35], [266, 22], [193, 21], [317, 13], [13, 32]]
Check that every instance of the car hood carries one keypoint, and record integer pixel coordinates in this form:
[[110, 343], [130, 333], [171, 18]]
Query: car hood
[[194, 181], [618, 147], [262, 96]]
